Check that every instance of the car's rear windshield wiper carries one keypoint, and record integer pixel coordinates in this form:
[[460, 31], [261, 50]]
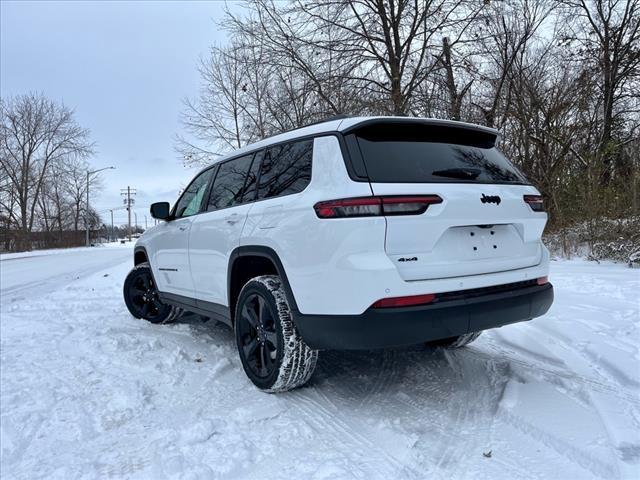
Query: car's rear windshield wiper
[[461, 173]]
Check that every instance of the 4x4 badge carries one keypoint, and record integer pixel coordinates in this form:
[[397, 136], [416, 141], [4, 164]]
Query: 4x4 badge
[[411, 259], [490, 199]]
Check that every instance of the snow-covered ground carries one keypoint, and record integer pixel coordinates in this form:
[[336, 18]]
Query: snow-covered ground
[[89, 392]]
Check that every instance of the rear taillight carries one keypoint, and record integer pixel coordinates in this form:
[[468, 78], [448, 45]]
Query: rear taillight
[[404, 301], [535, 202], [542, 280], [375, 206], [349, 207]]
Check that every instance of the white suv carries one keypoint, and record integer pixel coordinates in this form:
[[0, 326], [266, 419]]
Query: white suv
[[356, 233]]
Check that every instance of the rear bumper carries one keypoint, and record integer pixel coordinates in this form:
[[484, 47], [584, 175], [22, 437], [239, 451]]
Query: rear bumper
[[390, 327]]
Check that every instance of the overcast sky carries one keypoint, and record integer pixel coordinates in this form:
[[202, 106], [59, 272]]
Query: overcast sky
[[124, 67]]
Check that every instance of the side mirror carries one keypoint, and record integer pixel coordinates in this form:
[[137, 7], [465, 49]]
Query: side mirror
[[160, 210]]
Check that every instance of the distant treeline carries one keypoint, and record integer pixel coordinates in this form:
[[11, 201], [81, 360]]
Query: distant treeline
[[43, 174], [10, 240], [16, 240]]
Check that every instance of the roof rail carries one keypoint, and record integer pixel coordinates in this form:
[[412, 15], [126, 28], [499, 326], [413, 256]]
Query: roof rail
[[340, 116]]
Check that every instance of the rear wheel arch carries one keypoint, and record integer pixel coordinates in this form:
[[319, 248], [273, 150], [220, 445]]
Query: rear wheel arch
[[247, 262]]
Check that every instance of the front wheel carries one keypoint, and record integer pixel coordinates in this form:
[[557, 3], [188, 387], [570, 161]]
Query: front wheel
[[273, 355], [141, 297], [455, 342]]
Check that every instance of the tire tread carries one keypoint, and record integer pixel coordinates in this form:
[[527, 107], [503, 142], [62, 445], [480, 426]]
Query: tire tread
[[298, 360]]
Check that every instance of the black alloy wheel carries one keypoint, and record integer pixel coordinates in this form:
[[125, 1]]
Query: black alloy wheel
[[141, 297], [273, 354], [257, 336]]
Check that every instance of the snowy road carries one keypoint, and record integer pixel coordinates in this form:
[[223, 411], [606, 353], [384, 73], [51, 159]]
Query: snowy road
[[89, 392], [40, 271]]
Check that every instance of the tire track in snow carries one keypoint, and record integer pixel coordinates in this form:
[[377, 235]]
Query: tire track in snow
[[581, 458], [565, 375], [387, 372], [332, 422], [468, 430], [584, 459], [343, 371], [477, 405], [454, 423], [597, 364], [572, 453]]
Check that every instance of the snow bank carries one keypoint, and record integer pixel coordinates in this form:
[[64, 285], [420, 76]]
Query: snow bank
[[64, 251]]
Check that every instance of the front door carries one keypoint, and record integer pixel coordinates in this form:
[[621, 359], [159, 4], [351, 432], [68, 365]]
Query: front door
[[172, 272]]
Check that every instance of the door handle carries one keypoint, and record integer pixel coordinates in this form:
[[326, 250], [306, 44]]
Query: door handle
[[182, 229], [232, 219]]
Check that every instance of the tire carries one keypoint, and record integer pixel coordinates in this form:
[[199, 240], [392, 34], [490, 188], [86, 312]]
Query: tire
[[273, 355], [455, 342], [141, 297]]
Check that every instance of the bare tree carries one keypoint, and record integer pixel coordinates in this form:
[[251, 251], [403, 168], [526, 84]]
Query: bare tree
[[55, 206], [559, 79], [608, 37], [214, 119], [74, 172], [36, 133], [288, 37], [394, 42], [503, 33], [455, 94]]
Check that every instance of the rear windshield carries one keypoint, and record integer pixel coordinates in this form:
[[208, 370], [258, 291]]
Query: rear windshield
[[417, 153]]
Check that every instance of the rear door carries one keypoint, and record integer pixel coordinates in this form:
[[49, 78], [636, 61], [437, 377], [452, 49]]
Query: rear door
[[284, 173], [216, 233], [482, 224]]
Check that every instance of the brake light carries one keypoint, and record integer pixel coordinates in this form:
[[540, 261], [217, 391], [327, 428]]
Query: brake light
[[535, 202], [542, 280], [404, 301], [349, 207], [375, 206]]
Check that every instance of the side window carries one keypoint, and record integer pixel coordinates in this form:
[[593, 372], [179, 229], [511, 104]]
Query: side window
[[191, 199], [286, 169], [229, 183], [251, 185]]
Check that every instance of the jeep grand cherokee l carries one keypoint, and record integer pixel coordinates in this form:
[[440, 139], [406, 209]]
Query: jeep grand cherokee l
[[356, 233]]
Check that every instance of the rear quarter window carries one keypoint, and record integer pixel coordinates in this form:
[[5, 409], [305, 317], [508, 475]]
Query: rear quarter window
[[285, 169], [406, 153]]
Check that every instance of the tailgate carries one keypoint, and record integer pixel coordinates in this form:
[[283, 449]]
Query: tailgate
[[463, 235], [482, 225]]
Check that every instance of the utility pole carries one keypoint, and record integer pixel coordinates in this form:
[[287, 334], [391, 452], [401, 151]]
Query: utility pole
[[86, 213], [129, 211], [129, 202], [111, 236]]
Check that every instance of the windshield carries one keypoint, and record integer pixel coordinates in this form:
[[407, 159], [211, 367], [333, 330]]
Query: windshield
[[418, 153]]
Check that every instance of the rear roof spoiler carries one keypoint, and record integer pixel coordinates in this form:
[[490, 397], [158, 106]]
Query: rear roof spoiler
[[349, 125]]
